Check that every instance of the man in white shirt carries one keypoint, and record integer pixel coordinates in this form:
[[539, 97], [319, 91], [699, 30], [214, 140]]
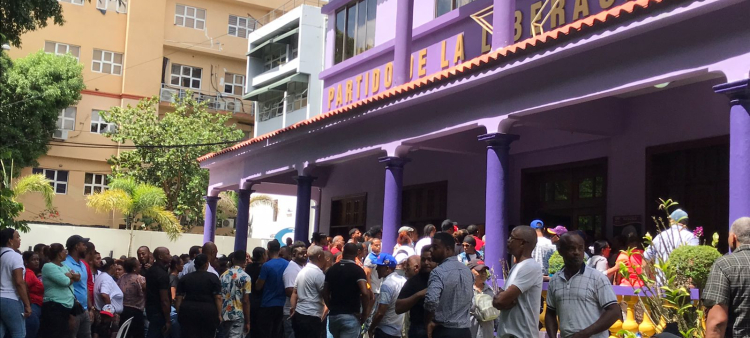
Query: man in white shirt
[[429, 231], [299, 259], [370, 267], [386, 323], [521, 298], [307, 308], [677, 235], [190, 266]]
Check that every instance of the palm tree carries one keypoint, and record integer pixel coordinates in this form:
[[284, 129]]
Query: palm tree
[[136, 200], [11, 191]]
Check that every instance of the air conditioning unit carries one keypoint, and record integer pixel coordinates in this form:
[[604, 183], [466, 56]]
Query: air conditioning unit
[[218, 105], [228, 223], [234, 106], [60, 134], [167, 94]]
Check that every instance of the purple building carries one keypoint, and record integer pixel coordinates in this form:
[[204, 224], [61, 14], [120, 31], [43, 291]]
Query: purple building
[[489, 112]]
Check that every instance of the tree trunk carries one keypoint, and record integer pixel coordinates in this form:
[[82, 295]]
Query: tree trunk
[[129, 224]]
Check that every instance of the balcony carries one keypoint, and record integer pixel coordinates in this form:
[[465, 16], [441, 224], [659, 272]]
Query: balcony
[[215, 101], [285, 8]]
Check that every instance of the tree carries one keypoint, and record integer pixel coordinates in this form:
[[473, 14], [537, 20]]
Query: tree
[[33, 90], [173, 169], [227, 206], [10, 191], [21, 16], [137, 202]]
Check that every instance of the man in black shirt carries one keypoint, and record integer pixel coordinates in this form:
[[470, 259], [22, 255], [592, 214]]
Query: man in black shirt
[[412, 295], [346, 295], [158, 295]]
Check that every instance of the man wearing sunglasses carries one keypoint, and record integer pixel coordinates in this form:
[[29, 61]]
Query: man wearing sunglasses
[[521, 299]]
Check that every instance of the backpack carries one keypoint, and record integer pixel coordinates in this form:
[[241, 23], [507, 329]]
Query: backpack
[[484, 311]]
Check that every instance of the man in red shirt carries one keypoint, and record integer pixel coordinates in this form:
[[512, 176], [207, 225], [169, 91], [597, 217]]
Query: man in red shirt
[[474, 232]]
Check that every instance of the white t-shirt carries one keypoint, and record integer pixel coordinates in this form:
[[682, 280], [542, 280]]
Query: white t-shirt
[[309, 285], [290, 275], [10, 261], [421, 243], [106, 285], [522, 320], [389, 290], [374, 278]]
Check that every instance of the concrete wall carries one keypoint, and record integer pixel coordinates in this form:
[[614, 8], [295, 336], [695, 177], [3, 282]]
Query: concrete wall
[[115, 240]]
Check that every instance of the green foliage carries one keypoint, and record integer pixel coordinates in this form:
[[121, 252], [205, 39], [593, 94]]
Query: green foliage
[[137, 202], [10, 208], [33, 90], [556, 263], [693, 263], [174, 170], [21, 16]]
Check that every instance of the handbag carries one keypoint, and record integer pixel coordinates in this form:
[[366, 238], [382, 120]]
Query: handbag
[[77, 308]]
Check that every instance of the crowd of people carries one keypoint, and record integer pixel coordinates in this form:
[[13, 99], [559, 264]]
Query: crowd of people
[[436, 286]]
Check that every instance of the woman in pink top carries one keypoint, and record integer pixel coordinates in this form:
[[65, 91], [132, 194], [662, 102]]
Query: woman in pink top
[[36, 292], [634, 263]]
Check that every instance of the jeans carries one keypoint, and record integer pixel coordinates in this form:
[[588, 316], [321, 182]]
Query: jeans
[[447, 332], [11, 318], [287, 323], [306, 326], [380, 334], [232, 329], [270, 322], [344, 326], [156, 323], [82, 327], [32, 323]]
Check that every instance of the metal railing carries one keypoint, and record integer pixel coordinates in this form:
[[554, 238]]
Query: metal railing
[[215, 101], [285, 8]]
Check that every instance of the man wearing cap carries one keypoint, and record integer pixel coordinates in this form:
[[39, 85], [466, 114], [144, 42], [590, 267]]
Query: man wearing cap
[[76, 246], [555, 232], [481, 329], [474, 232], [386, 323], [677, 235], [470, 252], [543, 247]]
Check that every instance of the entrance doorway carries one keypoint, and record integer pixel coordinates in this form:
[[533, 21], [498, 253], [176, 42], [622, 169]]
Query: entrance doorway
[[696, 175], [573, 195]]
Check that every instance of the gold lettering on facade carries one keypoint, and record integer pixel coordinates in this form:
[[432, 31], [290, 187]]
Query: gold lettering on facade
[[331, 94], [367, 84], [581, 8], [375, 80], [411, 67], [422, 62], [339, 101], [348, 91], [557, 14], [388, 77], [486, 41], [518, 26], [604, 4], [458, 53], [535, 8], [443, 61], [358, 80]]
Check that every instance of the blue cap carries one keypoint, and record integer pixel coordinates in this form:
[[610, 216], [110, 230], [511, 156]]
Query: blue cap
[[386, 260], [537, 224], [678, 215]]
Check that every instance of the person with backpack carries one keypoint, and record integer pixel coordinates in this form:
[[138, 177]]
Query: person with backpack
[[483, 314]]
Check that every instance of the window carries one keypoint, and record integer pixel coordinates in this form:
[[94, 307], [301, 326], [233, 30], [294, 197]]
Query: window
[[75, 2], [99, 125], [106, 62], [58, 179], [274, 56], [426, 203], [186, 76], [355, 29], [190, 17], [94, 184], [234, 84], [296, 96], [102, 4], [121, 6], [348, 212], [66, 120], [58, 48], [445, 6], [240, 26]]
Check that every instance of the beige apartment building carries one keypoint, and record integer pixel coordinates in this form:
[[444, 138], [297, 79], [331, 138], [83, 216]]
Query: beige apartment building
[[131, 50]]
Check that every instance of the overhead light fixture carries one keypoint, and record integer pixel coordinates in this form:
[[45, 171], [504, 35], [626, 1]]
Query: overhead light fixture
[[662, 85]]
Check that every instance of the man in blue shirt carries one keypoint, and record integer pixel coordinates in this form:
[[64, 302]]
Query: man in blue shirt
[[271, 283], [76, 246]]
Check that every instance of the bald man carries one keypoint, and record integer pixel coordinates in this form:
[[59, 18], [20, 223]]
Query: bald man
[[210, 250], [158, 295], [411, 266]]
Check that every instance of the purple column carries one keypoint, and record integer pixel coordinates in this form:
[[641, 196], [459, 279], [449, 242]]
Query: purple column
[[243, 216], [739, 147], [209, 223], [402, 43], [496, 203], [302, 220], [394, 176], [503, 18]]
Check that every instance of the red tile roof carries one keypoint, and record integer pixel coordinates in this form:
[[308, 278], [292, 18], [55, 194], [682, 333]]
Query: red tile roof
[[612, 15]]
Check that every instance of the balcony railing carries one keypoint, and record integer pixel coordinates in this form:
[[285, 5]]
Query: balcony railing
[[285, 8], [215, 101]]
